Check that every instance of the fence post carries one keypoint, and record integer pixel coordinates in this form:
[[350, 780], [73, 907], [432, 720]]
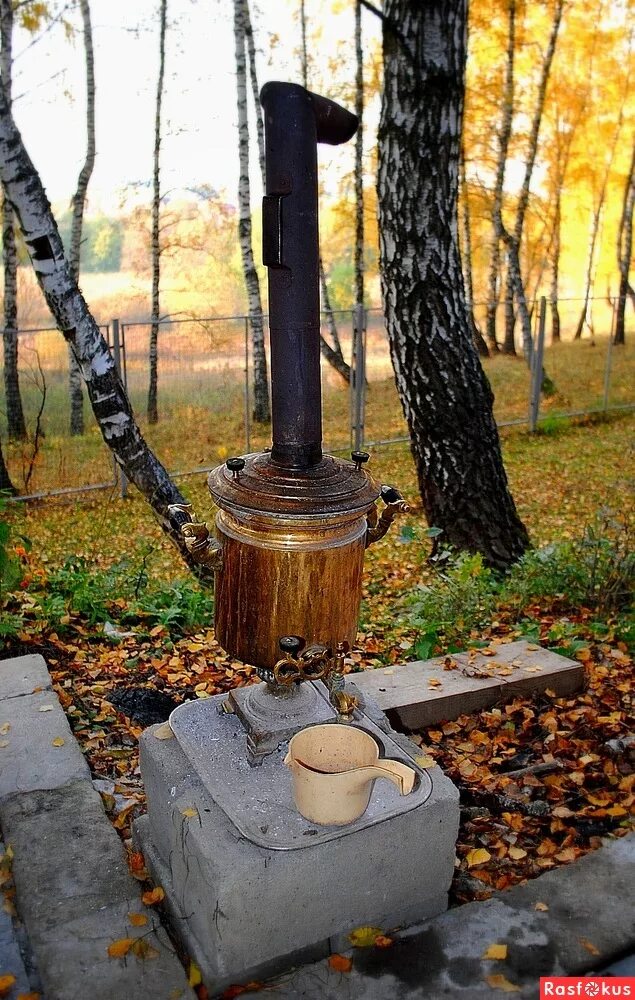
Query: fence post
[[609, 358], [536, 368], [246, 390], [358, 378], [116, 353]]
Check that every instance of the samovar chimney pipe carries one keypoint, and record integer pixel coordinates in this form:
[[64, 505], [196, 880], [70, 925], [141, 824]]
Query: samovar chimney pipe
[[295, 121]]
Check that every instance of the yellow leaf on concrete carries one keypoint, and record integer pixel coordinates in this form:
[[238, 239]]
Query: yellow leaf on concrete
[[58, 742], [45, 708], [120, 948], [143, 949], [3, 744], [194, 977], [6, 982], [340, 963], [5, 727], [153, 896], [137, 919], [364, 937], [500, 982], [479, 856], [164, 732], [541, 907], [28, 996], [425, 760], [496, 951], [189, 812], [590, 947]]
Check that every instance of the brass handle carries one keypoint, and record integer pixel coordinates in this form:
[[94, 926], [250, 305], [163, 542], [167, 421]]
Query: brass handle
[[201, 545], [378, 525]]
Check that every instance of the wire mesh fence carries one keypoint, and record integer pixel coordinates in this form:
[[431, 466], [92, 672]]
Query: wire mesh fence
[[205, 390]]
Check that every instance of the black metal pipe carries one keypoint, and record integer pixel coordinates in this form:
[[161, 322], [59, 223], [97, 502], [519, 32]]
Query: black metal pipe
[[295, 121]]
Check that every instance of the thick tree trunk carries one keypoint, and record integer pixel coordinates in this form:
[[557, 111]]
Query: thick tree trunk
[[6, 486], [16, 424], [446, 398], [79, 201], [509, 341], [261, 412], [504, 134], [155, 245], [107, 395], [625, 251]]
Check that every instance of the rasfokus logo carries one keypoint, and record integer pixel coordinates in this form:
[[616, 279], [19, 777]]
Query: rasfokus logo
[[575, 986]]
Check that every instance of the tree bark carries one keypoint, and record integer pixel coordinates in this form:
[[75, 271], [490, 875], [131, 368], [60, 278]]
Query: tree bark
[[466, 258], [555, 269], [6, 486], [155, 245], [625, 251], [509, 341], [16, 424], [446, 398], [504, 134], [107, 395], [359, 159], [79, 201], [261, 413]]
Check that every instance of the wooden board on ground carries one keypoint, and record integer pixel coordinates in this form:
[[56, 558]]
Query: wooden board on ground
[[425, 692]]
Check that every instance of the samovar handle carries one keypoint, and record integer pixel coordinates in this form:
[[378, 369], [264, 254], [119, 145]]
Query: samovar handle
[[378, 525], [201, 545]]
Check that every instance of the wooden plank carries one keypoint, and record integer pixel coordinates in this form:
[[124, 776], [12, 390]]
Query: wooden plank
[[425, 692]]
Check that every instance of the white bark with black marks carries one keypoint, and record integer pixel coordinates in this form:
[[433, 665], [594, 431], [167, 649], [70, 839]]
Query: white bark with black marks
[[625, 251], [107, 395], [446, 398], [79, 202], [155, 244], [261, 412], [16, 424]]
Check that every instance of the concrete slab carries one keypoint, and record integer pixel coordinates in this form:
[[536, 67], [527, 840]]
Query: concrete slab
[[241, 908], [11, 962], [31, 755], [75, 894], [589, 920], [424, 692], [23, 675]]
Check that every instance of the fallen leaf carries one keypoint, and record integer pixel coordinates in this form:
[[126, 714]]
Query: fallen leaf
[[164, 732], [46, 708], [340, 963], [236, 990], [6, 982], [381, 941], [568, 854], [153, 896], [28, 996], [589, 946], [496, 951], [434, 682], [194, 976], [137, 919], [58, 742], [478, 856], [425, 760], [541, 907], [364, 937], [3, 744], [190, 811], [120, 948], [5, 727], [143, 949], [516, 853], [533, 670], [500, 982]]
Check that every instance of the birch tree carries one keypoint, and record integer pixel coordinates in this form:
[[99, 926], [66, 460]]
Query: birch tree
[[16, 424], [6, 485], [78, 204], [625, 250], [261, 412], [106, 393], [446, 398], [155, 246]]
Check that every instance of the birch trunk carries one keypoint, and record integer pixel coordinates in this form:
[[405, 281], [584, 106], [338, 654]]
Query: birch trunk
[[255, 89], [513, 240], [79, 201], [359, 158], [446, 398], [625, 251], [554, 292], [6, 485], [261, 413], [107, 395], [504, 134], [466, 258], [16, 424], [332, 354], [153, 407]]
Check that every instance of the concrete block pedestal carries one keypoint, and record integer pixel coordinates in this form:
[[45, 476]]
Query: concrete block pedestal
[[246, 910]]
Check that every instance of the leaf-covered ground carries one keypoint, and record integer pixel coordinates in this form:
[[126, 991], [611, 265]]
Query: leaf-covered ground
[[542, 779]]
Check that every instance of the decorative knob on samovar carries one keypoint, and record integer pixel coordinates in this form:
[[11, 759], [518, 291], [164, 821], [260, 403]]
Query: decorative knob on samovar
[[235, 466], [360, 458]]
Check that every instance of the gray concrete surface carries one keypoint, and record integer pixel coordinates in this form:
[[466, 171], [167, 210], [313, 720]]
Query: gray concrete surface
[[590, 921], [74, 893], [405, 689], [23, 675], [240, 907]]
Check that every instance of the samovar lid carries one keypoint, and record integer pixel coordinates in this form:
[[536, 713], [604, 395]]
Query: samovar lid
[[257, 484]]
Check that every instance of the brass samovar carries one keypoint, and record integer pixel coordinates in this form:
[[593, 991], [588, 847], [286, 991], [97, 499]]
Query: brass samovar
[[292, 523]]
